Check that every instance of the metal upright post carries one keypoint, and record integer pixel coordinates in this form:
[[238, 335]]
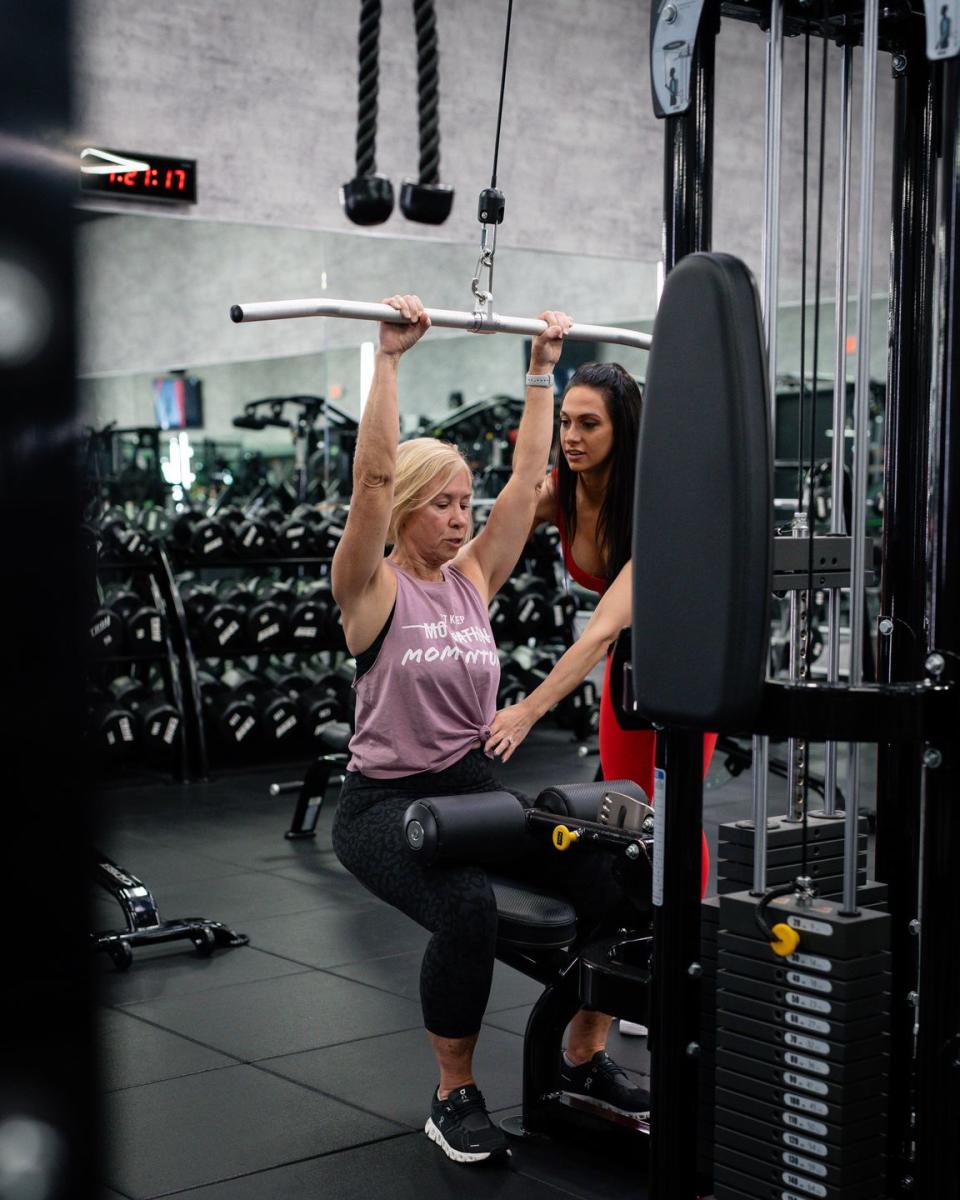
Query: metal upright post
[[770, 275], [675, 1020], [837, 519], [903, 577], [858, 522], [938, 1044]]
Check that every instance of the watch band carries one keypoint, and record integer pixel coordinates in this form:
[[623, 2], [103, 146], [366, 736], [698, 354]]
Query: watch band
[[540, 380]]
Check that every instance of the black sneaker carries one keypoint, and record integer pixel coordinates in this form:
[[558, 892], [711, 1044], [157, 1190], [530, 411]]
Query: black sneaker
[[605, 1085], [461, 1128]]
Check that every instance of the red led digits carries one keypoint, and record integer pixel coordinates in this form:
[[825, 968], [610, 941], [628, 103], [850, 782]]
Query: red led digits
[[155, 176]]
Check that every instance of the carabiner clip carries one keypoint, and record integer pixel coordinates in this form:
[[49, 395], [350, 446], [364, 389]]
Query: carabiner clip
[[483, 296]]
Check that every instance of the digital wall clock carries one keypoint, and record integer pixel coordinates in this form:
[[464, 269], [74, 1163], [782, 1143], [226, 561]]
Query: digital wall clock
[[142, 176]]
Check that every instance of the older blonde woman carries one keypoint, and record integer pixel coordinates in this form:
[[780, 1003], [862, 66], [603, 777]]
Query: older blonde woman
[[426, 685]]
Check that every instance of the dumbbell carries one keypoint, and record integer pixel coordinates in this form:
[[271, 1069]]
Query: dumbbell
[[250, 537], [531, 666], [561, 617], [120, 539], [532, 606], [320, 592], [311, 614], [317, 703], [544, 545], [229, 714], [277, 712], [308, 615], [199, 536], [264, 619], [158, 721], [580, 711], [327, 535], [111, 727], [502, 612], [105, 633], [155, 523], [319, 708], [296, 536], [216, 624], [512, 688], [288, 676], [340, 682], [142, 622]]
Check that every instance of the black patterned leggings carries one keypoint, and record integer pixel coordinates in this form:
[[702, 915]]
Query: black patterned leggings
[[455, 902]]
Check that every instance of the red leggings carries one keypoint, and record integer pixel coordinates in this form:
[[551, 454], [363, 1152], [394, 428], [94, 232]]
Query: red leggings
[[631, 754]]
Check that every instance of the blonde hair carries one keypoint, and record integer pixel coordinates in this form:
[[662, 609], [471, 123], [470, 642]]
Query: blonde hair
[[425, 466]]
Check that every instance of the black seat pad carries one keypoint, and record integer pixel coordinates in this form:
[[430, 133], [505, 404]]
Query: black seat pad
[[532, 919]]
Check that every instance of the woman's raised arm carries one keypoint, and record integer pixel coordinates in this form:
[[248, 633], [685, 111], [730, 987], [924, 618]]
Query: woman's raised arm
[[495, 550], [359, 556]]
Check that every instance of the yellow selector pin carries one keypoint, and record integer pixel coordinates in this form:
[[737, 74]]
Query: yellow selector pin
[[787, 940], [564, 838]]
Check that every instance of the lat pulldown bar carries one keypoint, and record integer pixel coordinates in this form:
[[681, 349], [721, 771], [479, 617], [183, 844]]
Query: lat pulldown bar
[[444, 318]]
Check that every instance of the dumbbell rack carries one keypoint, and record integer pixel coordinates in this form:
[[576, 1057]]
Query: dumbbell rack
[[157, 568], [192, 656]]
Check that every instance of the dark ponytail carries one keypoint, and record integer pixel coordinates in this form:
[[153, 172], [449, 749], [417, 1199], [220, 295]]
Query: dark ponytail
[[615, 520]]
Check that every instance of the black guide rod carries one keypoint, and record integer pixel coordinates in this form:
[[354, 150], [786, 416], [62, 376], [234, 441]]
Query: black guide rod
[[801, 599], [903, 575], [769, 293], [938, 1044], [675, 990], [837, 521], [868, 134]]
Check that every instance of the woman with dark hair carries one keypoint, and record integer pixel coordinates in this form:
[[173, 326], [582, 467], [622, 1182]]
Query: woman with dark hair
[[589, 496]]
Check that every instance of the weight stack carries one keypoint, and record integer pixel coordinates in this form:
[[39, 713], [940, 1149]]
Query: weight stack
[[784, 856], [709, 932], [802, 1053]]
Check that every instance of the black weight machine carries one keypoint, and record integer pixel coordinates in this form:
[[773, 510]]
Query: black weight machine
[[322, 434], [830, 1121]]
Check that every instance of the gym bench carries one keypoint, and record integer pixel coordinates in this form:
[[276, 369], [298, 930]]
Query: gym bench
[[537, 931]]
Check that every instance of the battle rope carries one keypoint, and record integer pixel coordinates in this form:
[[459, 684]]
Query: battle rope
[[428, 104], [368, 83]]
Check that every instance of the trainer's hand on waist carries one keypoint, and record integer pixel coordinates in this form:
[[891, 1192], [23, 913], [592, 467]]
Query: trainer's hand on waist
[[508, 729]]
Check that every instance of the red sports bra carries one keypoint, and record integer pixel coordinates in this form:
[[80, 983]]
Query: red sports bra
[[593, 583]]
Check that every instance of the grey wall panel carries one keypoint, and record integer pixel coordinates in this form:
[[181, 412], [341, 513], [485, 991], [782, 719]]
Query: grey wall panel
[[264, 96]]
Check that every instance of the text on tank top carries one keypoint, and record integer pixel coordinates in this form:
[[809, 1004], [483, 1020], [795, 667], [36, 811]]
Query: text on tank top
[[431, 693]]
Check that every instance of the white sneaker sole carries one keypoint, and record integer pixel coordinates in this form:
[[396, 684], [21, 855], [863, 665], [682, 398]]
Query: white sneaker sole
[[460, 1156]]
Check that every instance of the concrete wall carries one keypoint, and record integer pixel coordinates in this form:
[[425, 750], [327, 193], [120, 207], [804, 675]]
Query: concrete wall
[[264, 97]]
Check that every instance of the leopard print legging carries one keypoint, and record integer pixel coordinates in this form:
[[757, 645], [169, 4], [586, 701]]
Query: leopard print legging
[[455, 902]]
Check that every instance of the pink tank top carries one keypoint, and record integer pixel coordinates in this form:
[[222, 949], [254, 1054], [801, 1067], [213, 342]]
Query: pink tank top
[[431, 693]]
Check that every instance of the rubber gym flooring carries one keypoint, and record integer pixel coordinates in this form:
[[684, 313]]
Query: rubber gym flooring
[[297, 1066]]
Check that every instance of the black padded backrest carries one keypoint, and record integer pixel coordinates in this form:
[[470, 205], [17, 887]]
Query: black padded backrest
[[703, 505]]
